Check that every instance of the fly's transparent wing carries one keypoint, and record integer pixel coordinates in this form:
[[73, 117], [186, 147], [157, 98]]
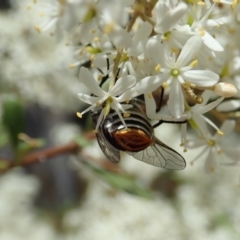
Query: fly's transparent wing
[[160, 155], [111, 152]]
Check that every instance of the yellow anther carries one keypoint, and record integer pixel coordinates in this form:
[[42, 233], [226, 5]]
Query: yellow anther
[[72, 65], [175, 50], [198, 100], [220, 133], [97, 104], [29, 7], [194, 63], [149, 95], [92, 57], [202, 33], [165, 85], [211, 143], [234, 3], [201, 3], [96, 39], [79, 114], [109, 28], [41, 14], [158, 68], [100, 77], [126, 115], [38, 28]]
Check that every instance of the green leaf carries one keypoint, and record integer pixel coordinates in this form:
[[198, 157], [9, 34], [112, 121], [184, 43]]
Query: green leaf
[[13, 119]]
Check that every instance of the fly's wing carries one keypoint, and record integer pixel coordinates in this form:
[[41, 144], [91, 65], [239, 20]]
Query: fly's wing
[[110, 152], [160, 155]]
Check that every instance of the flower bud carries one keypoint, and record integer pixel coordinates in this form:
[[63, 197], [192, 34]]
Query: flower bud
[[224, 89]]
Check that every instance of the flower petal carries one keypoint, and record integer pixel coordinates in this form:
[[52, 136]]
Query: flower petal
[[150, 106], [232, 153], [146, 85], [143, 32], [88, 99], [122, 85], [212, 43], [211, 162], [88, 80], [156, 51], [176, 99], [227, 127], [208, 107], [166, 19], [189, 51], [228, 106], [204, 78]]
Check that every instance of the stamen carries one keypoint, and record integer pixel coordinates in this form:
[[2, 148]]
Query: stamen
[[126, 115], [38, 28], [158, 68], [201, 3], [100, 77], [220, 133], [96, 39], [202, 33], [79, 114], [211, 143], [109, 28], [199, 99], [72, 65], [165, 85], [149, 95], [194, 63], [174, 50]]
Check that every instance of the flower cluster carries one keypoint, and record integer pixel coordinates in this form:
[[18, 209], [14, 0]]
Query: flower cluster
[[189, 50]]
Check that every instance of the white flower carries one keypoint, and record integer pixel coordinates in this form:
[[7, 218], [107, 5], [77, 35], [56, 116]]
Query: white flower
[[202, 23], [215, 147], [60, 14], [167, 20], [176, 72], [124, 89], [197, 119]]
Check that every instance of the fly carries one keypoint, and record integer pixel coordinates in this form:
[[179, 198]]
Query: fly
[[138, 140]]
